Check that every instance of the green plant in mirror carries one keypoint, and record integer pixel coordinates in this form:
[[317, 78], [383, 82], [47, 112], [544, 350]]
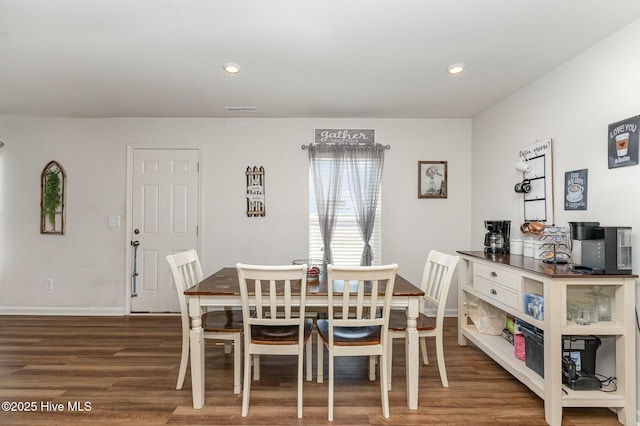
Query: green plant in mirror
[[52, 198]]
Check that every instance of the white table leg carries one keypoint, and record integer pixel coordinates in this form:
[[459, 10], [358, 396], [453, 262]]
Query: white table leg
[[412, 355], [196, 342]]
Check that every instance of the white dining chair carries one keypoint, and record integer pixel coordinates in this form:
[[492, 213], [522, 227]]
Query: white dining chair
[[436, 281], [357, 323], [274, 318], [221, 325]]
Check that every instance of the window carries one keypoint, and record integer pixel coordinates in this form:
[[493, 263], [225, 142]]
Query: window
[[347, 244]]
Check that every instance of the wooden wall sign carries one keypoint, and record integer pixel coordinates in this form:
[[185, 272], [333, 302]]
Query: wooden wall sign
[[255, 191], [332, 136]]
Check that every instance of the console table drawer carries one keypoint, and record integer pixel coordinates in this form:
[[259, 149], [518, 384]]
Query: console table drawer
[[496, 292], [496, 275]]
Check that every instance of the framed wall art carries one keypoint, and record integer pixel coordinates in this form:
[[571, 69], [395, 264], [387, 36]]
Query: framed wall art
[[623, 142], [575, 189], [432, 179], [53, 184]]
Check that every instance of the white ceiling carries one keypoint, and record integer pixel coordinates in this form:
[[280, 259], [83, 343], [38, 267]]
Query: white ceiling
[[299, 58]]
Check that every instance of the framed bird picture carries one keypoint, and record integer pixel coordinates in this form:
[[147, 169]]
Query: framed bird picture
[[432, 179]]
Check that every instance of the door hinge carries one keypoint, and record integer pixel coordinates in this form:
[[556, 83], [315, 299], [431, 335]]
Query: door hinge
[[197, 230], [198, 166]]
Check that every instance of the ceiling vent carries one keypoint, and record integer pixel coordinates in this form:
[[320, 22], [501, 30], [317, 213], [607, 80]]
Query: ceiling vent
[[240, 109]]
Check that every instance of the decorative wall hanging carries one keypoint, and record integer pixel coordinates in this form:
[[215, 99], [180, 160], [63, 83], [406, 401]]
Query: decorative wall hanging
[[255, 191], [537, 205], [575, 190], [344, 137], [53, 183], [623, 142], [330, 136], [432, 179]]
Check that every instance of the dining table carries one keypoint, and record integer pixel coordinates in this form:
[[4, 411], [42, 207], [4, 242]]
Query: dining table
[[222, 290]]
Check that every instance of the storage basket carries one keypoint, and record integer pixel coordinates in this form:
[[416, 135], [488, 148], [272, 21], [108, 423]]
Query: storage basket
[[534, 349]]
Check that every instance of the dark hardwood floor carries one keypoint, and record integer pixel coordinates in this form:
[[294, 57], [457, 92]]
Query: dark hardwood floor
[[123, 370]]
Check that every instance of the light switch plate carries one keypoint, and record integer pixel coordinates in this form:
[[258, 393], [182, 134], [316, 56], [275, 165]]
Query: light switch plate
[[114, 221]]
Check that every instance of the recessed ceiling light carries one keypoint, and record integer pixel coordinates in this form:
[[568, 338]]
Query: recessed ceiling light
[[231, 68], [455, 68]]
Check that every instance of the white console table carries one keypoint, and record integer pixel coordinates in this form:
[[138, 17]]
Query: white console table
[[502, 281]]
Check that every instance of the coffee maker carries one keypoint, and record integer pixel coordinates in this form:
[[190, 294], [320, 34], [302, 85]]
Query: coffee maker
[[496, 241], [601, 249]]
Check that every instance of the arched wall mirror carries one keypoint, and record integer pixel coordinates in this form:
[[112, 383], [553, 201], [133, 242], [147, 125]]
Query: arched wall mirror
[[53, 183]]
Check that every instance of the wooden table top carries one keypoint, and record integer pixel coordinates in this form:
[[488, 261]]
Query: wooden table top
[[225, 282], [537, 266]]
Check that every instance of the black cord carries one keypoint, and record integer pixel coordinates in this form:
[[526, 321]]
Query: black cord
[[608, 381]]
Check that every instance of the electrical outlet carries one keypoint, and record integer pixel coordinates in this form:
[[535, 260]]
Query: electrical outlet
[[48, 284]]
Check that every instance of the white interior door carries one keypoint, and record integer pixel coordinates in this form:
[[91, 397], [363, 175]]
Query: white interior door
[[165, 204]]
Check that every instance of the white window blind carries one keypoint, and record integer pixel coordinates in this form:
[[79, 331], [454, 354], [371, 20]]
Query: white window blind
[[347, 244]]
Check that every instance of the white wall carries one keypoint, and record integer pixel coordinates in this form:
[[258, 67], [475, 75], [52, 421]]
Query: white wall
[[573, 106], [88, 263]]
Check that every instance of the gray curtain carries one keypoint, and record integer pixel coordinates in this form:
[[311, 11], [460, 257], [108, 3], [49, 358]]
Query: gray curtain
[[364, 172], [363, 165], [327, 166]]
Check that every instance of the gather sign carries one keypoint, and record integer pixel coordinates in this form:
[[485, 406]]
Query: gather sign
[[331, 136]]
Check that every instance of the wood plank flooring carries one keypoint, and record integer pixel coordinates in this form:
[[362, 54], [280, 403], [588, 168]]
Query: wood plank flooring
[[123, 370]]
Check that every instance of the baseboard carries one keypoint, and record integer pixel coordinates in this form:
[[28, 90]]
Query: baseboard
[[117, 312], [44, 310], [447, 312]]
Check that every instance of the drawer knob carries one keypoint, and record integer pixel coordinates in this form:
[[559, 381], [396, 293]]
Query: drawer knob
[[493, 274], [493, 291]]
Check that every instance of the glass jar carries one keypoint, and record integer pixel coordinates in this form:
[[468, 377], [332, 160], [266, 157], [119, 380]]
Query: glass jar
[[585, 314], [600, 302]]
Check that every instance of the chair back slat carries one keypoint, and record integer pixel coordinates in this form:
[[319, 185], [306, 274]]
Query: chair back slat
[[273, 298], [287, 299], [346, 295], [258, 295], [374, 299]]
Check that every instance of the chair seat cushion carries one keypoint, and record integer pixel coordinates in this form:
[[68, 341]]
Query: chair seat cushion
[[280, 335], [398, 321], [221, 321], [349, 336]]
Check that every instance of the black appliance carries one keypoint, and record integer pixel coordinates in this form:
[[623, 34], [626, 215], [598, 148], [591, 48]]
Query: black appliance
[[583, 230], [600, 249], [609, 252], [579, 362], [496, 241]]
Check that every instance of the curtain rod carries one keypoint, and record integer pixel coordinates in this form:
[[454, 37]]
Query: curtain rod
[[346, 144]]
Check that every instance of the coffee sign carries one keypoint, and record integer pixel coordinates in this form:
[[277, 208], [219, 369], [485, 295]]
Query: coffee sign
[[332, 136], [575, 190], [623, 142]]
